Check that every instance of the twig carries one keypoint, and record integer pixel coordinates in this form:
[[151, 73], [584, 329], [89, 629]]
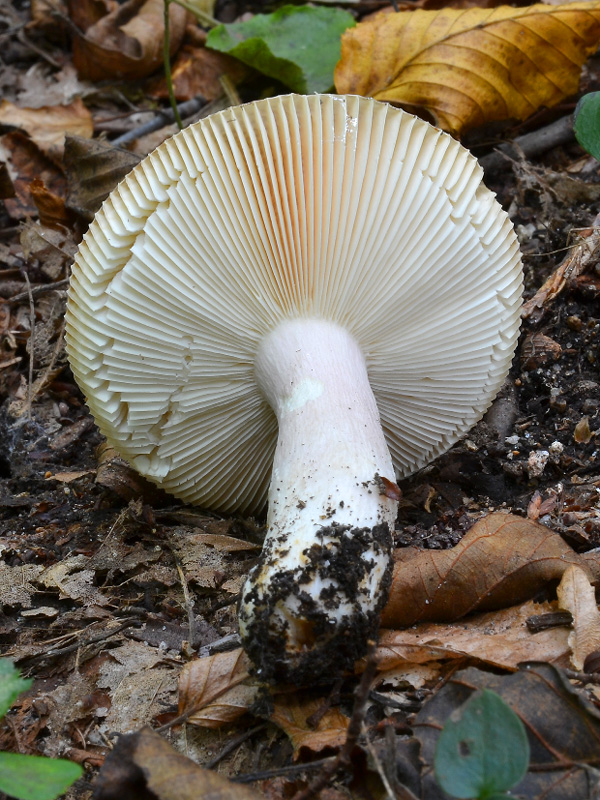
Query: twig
[[35, 291], [189, 605], [61, 651], [531, 144], [342, 760], [233, 744], [29, 294], [162, 119], [291, 769], [203, 18], [583, 677], [167, 64]]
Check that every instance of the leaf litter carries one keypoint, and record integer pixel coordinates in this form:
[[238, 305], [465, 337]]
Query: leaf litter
[[110, 593]]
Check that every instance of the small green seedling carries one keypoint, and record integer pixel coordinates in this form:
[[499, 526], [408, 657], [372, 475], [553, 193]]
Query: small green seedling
[[587, 123], [483, 750], [29, 777]]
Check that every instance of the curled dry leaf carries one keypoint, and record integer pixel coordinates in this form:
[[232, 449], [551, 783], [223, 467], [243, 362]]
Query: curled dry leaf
[[144, 765], [49, 125], [293, 715], [500, 638], [501, 561], [576, 594], [198, 71], [215, 690], [469, 67], [25, 161], [127, 43]]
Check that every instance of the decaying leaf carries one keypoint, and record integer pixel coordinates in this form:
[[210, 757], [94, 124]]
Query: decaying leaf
[[500, 638], [469, 67], [215, 690], [582, 433], [127, 42], [502, 560], [144, 765], [16, 587], [48, 125], [576, 594], [197, 71], [563, 728], [26, 161], [293, 715], [93, 169]]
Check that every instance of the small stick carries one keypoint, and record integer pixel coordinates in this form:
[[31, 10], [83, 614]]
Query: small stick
[[163, 118], [342, 760], [530, 144]]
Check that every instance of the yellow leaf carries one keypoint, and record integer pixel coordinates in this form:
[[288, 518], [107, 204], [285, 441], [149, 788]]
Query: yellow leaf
[[471, 66]]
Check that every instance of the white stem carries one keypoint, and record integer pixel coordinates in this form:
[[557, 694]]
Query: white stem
[[316, 593]]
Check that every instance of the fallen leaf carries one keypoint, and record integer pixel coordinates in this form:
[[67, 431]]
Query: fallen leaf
[[51, 207], [563, 728], [16, 587], [469, 67], [213, 690], [144, 765], [500, 638], [93, 170], [502, 560], [25, 161], [128, 42], [293, 715], [197, 71], [582, 433], [579, 258], [48, 125], [576, 594]]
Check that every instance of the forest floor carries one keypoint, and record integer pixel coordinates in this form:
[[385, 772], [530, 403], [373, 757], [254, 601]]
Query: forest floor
[[109, 587]]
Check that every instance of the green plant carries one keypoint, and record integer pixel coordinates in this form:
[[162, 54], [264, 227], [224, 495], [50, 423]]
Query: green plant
[[483, 750], [29, 777], [586, 123]]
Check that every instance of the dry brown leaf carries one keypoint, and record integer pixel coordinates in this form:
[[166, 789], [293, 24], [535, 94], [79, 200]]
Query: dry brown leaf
[[500, 638], [127, 43], [25, 161], [502, 560], [582, 433], [144, 765], [576, 594], [93, 169], [51, 207], [197, 71], [215, 690], [469, 67], [48, 125], [292, 713]]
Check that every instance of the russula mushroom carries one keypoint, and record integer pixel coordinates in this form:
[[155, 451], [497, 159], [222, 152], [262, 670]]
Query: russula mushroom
[[297, 300]]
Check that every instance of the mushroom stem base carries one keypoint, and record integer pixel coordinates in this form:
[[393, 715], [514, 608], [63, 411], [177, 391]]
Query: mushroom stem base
[[291, 635]]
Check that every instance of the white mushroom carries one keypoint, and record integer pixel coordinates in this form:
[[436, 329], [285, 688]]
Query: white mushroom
[[298, 298]]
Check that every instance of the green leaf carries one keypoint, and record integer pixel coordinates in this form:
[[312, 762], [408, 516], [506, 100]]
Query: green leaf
[[587, 123], [36, 777], [11, 685], [297, 45], [482, 750]]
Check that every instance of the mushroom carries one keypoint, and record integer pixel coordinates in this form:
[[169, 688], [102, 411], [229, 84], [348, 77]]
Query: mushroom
[[297, 300]]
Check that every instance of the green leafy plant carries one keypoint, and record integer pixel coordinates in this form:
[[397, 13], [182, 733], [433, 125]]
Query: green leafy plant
[[483, 750], [297, 45], [587, 123], [29, 777]]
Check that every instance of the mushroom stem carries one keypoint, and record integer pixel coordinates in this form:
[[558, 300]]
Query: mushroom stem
[[313, 600]]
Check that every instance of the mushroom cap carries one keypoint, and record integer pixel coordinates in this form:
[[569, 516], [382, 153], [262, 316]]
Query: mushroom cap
[[341, 208]]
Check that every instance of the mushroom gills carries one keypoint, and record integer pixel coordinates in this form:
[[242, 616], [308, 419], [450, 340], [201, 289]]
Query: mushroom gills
[[312, 602]]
